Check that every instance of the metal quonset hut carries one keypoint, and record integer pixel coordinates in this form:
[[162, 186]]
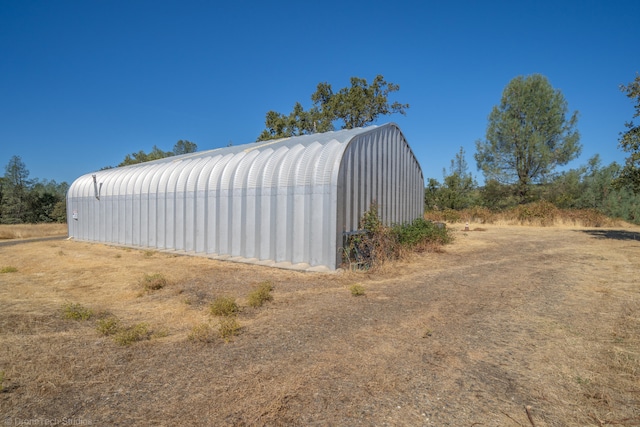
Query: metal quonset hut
[[284, 203]]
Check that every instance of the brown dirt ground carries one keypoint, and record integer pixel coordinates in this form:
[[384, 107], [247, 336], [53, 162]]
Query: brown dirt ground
[[510, 325]]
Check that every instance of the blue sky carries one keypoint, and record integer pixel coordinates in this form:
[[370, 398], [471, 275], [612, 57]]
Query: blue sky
[[85, 82]]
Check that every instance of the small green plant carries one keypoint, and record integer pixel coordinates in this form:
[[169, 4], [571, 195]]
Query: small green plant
[[224, 306], [582, 381], [229, 327], [357, 290], [108, 326], [76, 312], [202, 333], [370, 220], [8, 269], [130, 334], [260, 295], [149, 253], [154, 282]]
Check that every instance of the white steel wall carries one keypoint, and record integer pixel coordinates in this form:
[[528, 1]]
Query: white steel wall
[[379, 167], [282, 202]]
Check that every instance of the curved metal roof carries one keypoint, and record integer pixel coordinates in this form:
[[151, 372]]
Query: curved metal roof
[[234, 201]]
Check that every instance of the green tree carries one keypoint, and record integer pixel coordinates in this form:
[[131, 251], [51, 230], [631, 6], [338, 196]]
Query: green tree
[[590, 187], [47, 202], [565, 190], [630, 142], [3, 197], [23, 200], [431, 193], [458, 189], [14, 192], [141, 156], [496, 196], [180, 147], [298, 122], [184, 147], [361, 104], [358, 105], [528, 135]]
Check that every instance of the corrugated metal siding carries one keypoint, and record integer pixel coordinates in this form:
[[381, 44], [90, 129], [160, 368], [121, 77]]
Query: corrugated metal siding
[[379, 167], [285, 201]]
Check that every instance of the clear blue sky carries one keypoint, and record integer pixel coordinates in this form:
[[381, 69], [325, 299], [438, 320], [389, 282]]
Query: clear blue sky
[[85, 82]]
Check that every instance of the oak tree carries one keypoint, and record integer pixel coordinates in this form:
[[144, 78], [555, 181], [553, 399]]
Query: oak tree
[[358, 105]]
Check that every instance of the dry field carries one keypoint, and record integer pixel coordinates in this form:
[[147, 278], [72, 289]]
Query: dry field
[[29, 231], [509, 326]]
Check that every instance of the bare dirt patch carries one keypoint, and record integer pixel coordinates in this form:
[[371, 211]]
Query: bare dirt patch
[[508, 326]]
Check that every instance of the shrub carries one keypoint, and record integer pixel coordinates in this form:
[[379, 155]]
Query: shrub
[[542, 212], [224, 306], [357, 290], [260, 295], [108, 326], [370, 220], [76, 312], [203, 333], [123, 335], [130, 334], [450, 215], [421, 232], [479, 214], [587, 217], [375, 245], [229, 327], [8, 269], [154, 282]]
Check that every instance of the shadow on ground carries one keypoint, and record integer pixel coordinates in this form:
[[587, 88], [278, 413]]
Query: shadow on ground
[[613, 234]]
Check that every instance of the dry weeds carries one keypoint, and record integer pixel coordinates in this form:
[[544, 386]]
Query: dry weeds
[[27, 231], [508, 326]]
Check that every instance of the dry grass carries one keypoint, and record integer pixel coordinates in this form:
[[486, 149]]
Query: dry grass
[[506, 318], [28, 231], [202, 333], [228, 327], [540, 213]]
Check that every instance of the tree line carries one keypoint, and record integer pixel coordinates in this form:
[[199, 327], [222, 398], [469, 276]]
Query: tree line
[[529, 135], [24, 200]]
